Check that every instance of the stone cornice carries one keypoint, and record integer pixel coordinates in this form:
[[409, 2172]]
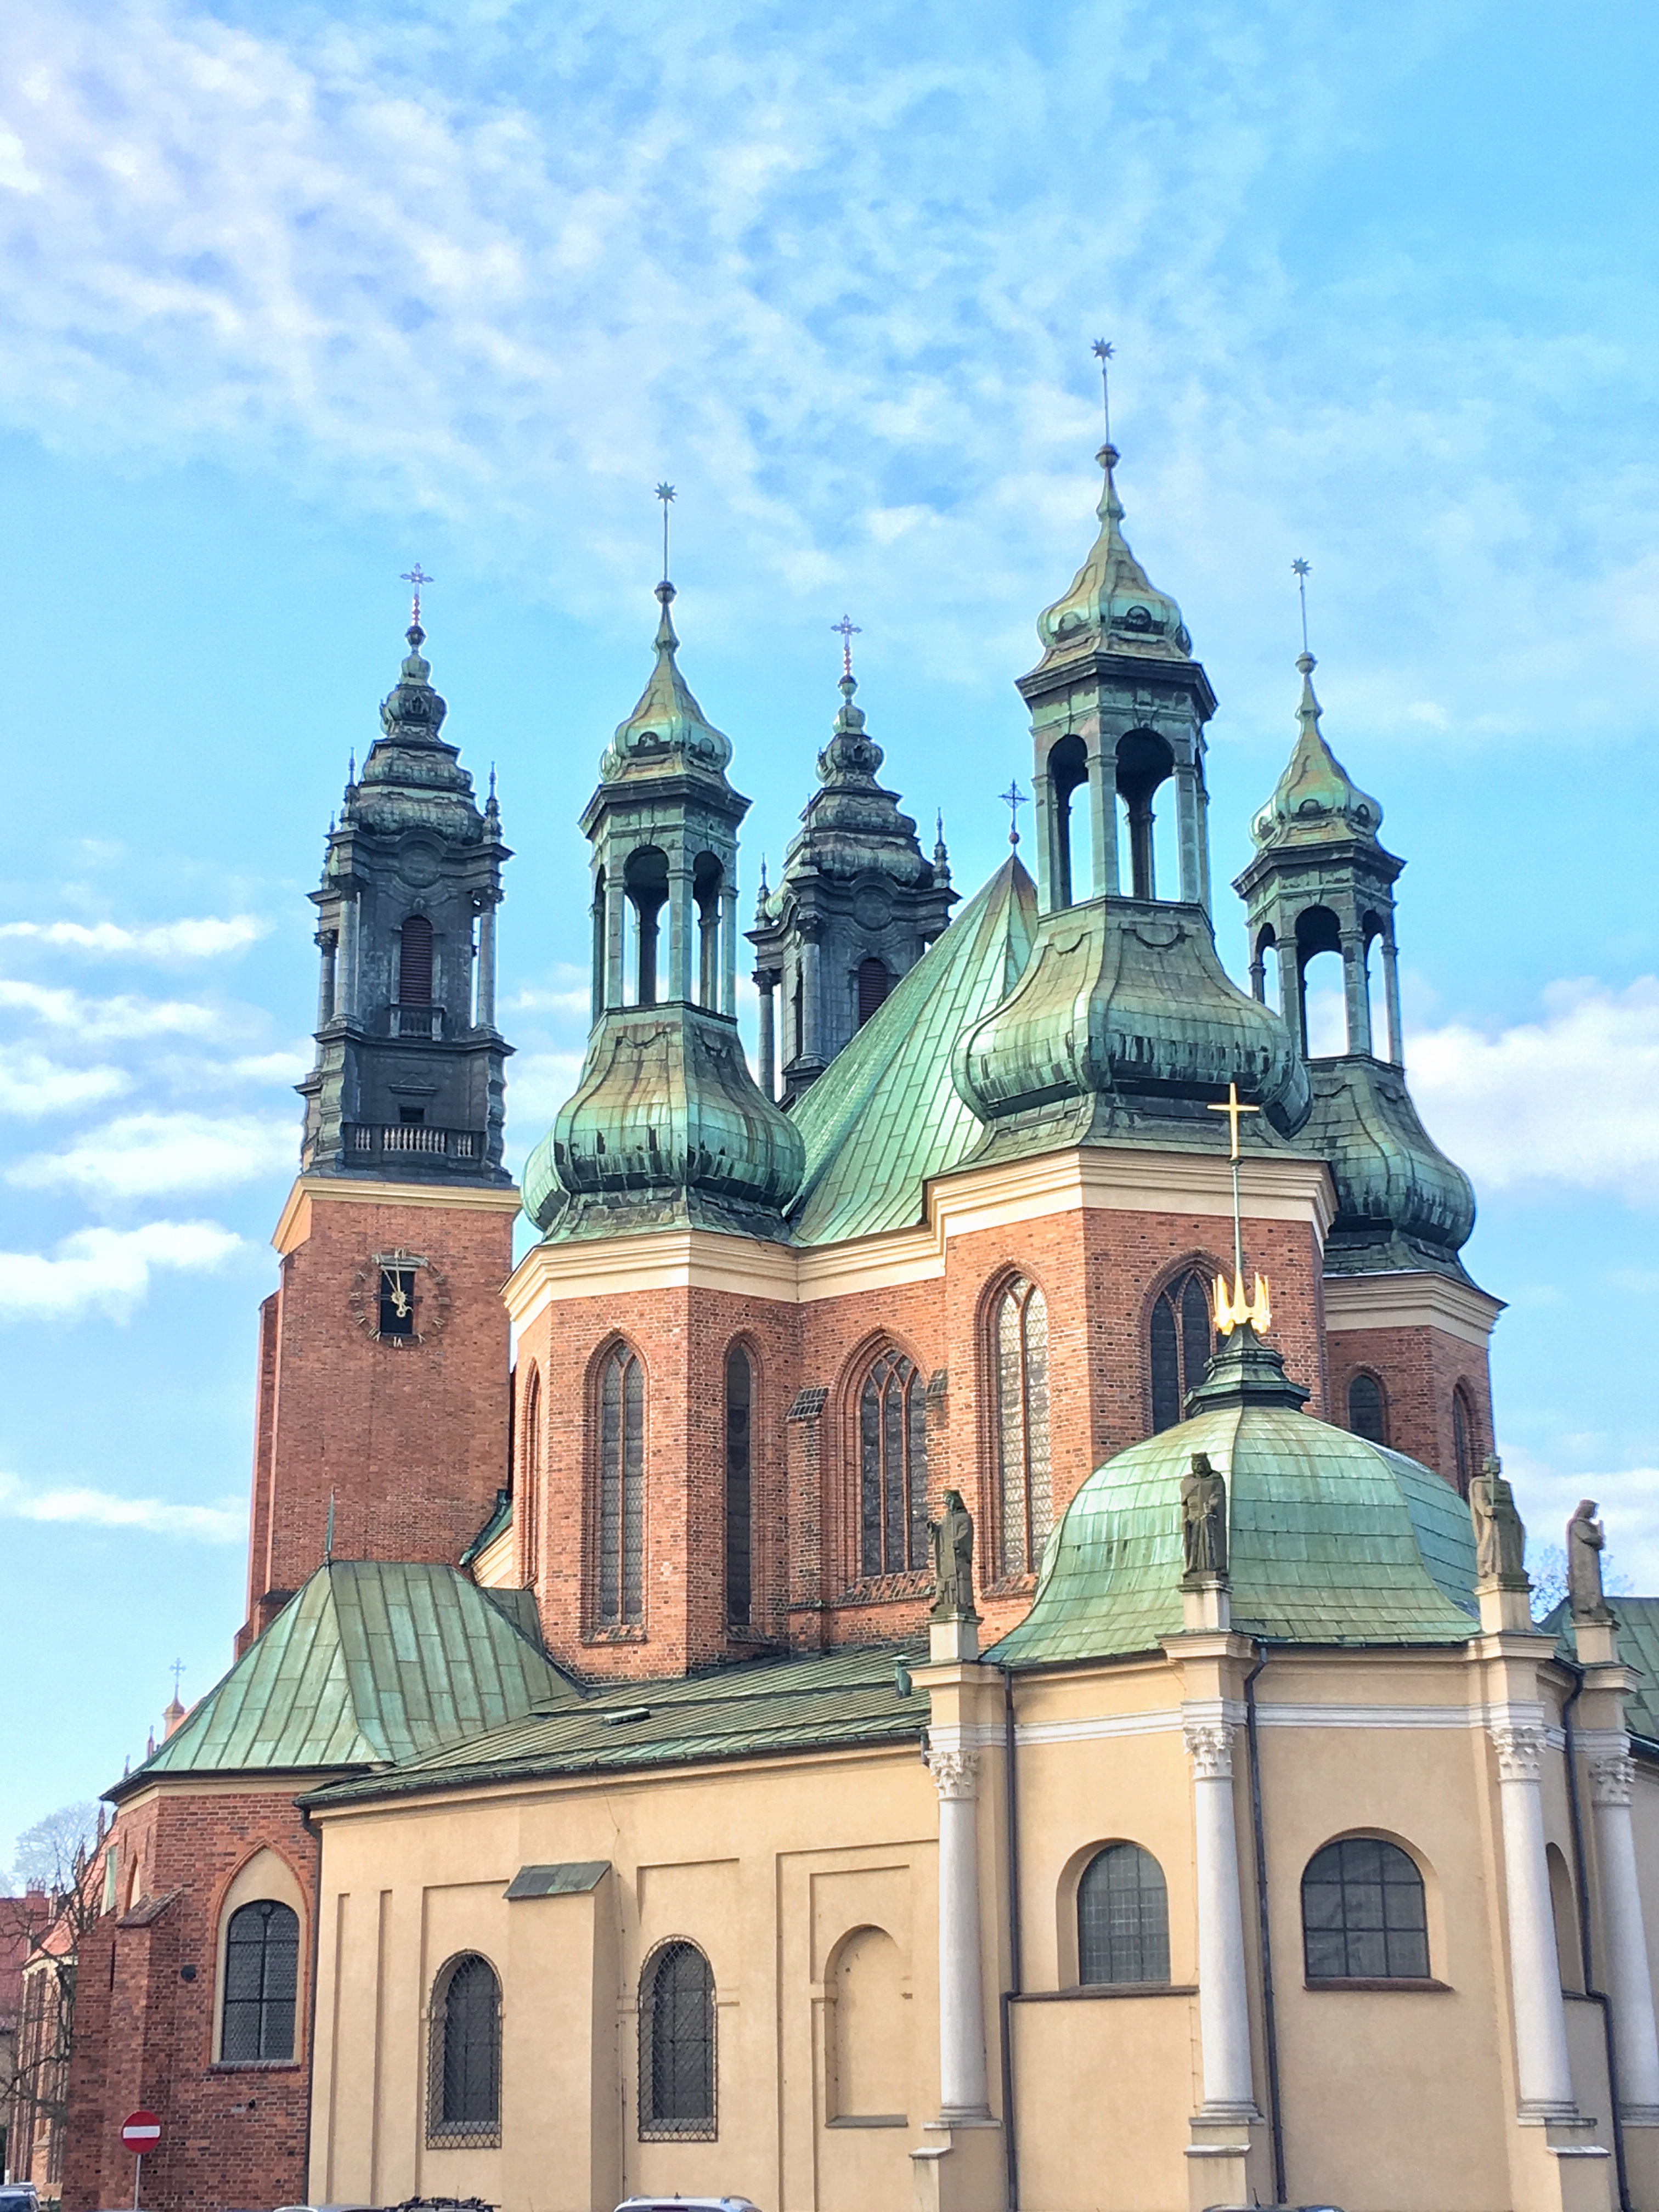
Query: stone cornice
[[293, 1223], [1414, 1298]]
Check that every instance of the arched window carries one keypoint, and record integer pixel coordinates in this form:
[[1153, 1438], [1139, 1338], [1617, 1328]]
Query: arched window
[[1363, 1913], [1368, 1414], [874, 982], [528, 1504], [261, 1975], [464, 2083], [1182, 1342], [676, 2046], [1024, 1492], [892, 1468], [622, 1492], [415, 962], [740, 1395], [1463, 1439], [1123, 1917]]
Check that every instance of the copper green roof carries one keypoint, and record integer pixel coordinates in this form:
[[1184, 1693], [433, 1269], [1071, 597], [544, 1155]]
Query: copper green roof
[[1332, 1540], [769, 1706], [1316, 800], [885, 1115], [372, 1661], [1637, 1619]]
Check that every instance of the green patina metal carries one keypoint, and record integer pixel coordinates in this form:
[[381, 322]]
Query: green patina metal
[[1315, 799], [886, 1116], [1331, 1539], [1636, 1621], [1399, 1201], [1112, 604], [370, 1662]]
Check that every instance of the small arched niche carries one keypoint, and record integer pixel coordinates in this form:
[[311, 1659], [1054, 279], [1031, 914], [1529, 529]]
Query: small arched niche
[[868, 2043]]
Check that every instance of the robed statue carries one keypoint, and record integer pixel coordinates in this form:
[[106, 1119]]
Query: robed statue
[[1203, 1519], [1586, 1541], [1500, 1540], [951, 1539]]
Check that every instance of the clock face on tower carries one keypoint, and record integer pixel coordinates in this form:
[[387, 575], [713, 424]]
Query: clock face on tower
[[399, 1299]]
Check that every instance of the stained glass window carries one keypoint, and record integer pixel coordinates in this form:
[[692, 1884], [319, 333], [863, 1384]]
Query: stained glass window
[[1181, 1343], [1025, 1496], [622, 1492], [1363, 1916], [262, 1972], [1123, 1917], [1366, 1414], [739, 1392], [893, 1468], [465, 2103], [676, 2046]]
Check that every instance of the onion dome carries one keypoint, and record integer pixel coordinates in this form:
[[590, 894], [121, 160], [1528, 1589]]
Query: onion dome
[[1331, 1539], [414, 710], [851, 825], [1316, 800], [1112, 606], [667, 729], [1399, 1201], [413, 778]]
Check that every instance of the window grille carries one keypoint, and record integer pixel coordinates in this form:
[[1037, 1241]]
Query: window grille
[[463, 2075], [415, 962], [262, 1972], [1183, 1341], [740, 1391], [676, 2047], [893, 1468], [1122, 1918], [1362, 1916], [1367, 1415], [1024, 1489], [622, 1492]]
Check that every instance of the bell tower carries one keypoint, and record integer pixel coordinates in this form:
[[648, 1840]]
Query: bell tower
[[382, 1413]]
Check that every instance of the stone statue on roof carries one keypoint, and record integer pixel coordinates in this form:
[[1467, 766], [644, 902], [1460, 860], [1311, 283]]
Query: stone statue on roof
[[1586, 1541], [951, 1540], [1203, 1520], [1500, 1539]]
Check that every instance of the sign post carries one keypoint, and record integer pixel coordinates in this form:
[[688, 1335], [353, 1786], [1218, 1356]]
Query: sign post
[[140, 2131]]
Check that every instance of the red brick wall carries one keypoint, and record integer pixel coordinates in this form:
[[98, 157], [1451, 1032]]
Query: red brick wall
[[1419, 1369], [231, 2136]]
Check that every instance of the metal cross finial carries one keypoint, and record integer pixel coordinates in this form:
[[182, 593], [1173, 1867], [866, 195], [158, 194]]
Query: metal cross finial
[[1255, 1309], [177, 1670], [664, 493], [1103, 353], [1013, 799], [416, 577], [1302, 570], [846, 630]]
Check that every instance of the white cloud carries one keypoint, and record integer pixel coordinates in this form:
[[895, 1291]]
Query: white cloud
[[201, 939], [143, 1155], [107, 1269], [1570, 1101], [99, 1020], [223, 1523], [1547, 1494], [32, 1085]]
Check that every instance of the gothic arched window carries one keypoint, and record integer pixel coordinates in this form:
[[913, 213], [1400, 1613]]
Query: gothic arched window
[[621, 1547], [739, 1397], [892, 1468], [1362, 1916], [1122, 1918], [1182, 1342], [415, 962], [1465, 1445], [676, 2046], [261, 1975], [464, 2090], [874, 982], [528, 1504], [1368, 1414], [1025, 1492]]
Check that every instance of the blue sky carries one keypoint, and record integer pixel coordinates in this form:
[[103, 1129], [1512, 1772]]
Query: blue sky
[[293, 297]]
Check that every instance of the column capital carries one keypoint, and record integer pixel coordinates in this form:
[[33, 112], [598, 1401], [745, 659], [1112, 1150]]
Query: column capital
[[1520, 1746], [955, 1773], [1612, 1779], [1210, 1747]]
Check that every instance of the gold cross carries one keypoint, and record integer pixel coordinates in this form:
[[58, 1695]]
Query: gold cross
[[1233, 1110]]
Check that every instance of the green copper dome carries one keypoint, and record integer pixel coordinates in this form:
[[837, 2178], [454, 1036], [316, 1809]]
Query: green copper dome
[[1315, 799], [1331, 1539], [1398, 1199], [667, 729], [1112, 606]]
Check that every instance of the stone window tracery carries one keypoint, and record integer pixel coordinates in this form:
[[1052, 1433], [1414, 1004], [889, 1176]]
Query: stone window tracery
[[464, 2077], [1181, 1341], [892, 1468], [676, 2046], [620, 1581], [1020, 1372], [1122, 1918]]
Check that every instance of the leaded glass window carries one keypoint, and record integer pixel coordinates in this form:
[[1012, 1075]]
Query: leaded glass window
[[1182, 1342], [1026, 1495], [622, 1492], [262, 1973], [892, 1468], [1363, 1916], [739, 1394], [676, 2046], [464, 2086], [1367, 1416], [1122, 1918]]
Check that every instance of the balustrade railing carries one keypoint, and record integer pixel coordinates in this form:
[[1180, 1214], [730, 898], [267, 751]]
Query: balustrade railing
[[371, 1140]]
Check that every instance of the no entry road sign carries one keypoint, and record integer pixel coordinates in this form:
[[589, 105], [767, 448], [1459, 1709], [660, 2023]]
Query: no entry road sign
[[141, 2131]]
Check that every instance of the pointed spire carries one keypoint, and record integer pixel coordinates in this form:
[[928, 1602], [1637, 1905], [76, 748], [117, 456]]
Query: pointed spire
[[762, 894], [1315, 799], [941, 855], [667, 727]]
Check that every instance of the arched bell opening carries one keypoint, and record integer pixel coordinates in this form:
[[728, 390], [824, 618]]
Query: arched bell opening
[[708, 888], [645, 887], [1266, 973], [599, 917], [1144, 762], [1321, 1012], [1377, 929], [1068, 772]]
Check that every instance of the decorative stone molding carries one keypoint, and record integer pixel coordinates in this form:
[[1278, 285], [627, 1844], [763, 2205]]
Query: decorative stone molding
[[1612, 1779], [1521, 1746], [1210, 1747], [955, 1773]]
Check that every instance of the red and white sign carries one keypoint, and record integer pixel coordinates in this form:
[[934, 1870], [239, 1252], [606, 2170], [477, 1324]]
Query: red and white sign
[[141, 2131]]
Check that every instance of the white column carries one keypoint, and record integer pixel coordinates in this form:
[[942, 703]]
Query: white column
[[963, 2093], [1612, 1780], [1543, 2075], [1223, 2007]]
